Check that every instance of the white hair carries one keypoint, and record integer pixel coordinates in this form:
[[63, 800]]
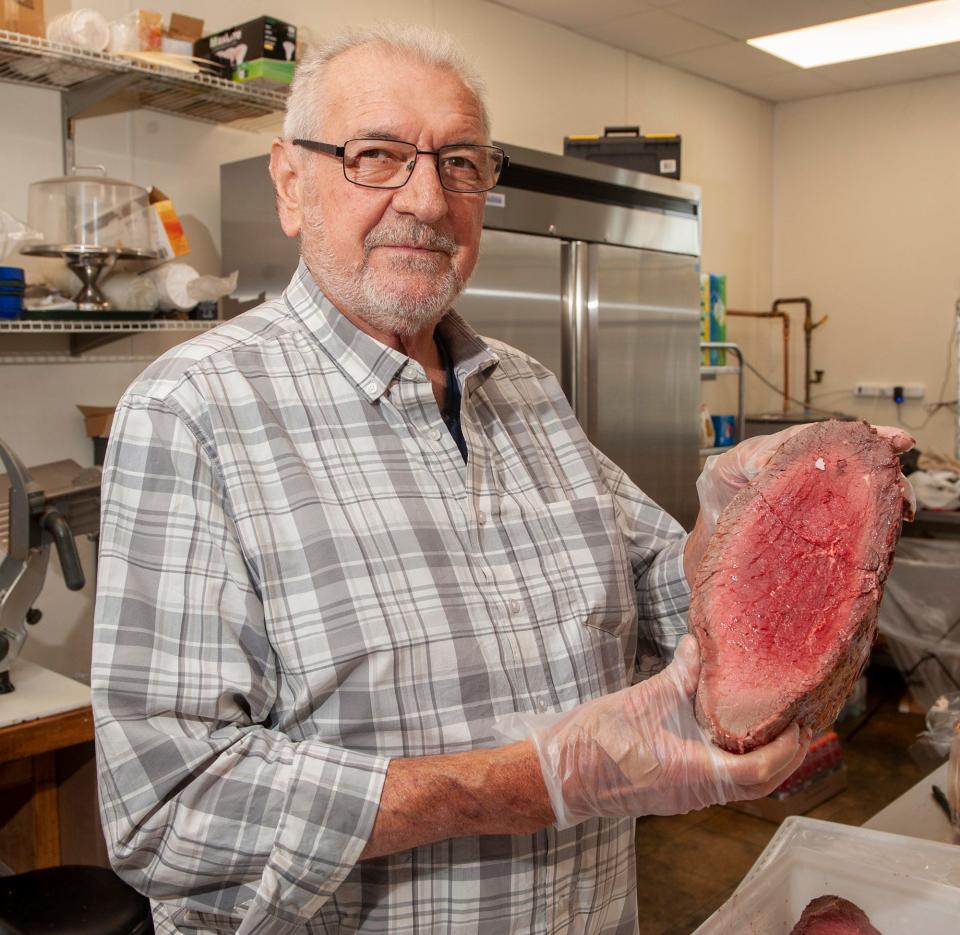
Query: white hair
[[422, 43]]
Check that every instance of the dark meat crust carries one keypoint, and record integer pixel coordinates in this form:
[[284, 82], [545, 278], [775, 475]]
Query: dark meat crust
[[833, 915]]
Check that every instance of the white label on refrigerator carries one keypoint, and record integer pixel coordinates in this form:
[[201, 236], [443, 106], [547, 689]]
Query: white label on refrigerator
[[668, 165], [496, 200]]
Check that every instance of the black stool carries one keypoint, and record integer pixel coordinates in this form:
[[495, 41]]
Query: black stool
[[72, 901]]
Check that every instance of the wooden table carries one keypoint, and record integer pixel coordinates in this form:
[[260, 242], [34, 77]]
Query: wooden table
[[47, 712]]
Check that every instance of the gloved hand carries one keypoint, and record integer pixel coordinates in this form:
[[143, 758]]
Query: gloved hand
[[640, 751], [725, 474]]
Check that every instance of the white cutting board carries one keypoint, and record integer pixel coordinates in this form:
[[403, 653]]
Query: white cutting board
[[39, 693]]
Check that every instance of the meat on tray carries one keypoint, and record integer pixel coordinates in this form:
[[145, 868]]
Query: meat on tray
[[833, 915], [786, 597]]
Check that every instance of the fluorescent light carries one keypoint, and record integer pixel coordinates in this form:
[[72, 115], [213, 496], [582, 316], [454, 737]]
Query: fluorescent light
[[913, 27]]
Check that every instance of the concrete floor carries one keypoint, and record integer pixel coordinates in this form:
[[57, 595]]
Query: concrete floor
[[688, 865]]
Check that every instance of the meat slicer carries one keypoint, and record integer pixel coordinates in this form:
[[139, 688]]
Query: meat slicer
[[48, 505]]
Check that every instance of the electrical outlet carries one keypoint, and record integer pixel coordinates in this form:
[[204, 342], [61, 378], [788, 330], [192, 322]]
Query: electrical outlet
[[885, 390]]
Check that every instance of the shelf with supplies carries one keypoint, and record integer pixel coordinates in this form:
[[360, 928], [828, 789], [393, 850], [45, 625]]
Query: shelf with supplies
[[85, 336], [86, 78], [711, 372]]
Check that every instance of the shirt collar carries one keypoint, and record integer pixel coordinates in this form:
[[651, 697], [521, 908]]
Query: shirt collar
[[367, 363]]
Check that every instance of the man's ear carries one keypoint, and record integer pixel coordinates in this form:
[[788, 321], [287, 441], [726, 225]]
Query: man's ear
[[288, 185]]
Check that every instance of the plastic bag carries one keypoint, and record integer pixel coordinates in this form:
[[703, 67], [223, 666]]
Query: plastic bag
[[942, 720], [936, 490], [933, 745], [211, 288], [14, 234], [920, 616], [953, 777]]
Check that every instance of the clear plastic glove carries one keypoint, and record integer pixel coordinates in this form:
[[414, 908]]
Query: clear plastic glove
[[640, 751], [725, 474]]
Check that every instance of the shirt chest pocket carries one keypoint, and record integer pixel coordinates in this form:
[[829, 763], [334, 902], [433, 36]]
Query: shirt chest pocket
[[583, 569]]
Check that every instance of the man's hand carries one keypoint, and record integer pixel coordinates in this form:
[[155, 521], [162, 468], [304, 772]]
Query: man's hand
[[641, 751], [724, 475]]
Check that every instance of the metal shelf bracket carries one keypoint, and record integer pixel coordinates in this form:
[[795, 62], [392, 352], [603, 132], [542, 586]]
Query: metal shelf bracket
[[75, 101]]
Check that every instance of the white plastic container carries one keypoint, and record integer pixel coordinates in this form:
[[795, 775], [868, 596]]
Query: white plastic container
[[906, 886]]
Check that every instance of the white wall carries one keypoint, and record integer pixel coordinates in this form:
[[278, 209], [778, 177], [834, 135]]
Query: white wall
[[866, 206], [544, 82]]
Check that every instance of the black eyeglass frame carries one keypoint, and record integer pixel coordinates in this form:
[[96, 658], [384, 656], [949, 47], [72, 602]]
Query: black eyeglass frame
[[339, 151]]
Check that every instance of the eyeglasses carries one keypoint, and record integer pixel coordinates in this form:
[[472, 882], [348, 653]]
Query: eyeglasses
[[461, 167]]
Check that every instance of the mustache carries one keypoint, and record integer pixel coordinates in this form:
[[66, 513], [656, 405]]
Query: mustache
[[414, 234]]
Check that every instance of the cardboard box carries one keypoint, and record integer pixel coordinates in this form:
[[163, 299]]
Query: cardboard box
[[705, 315], [180, 34], [168, 234], [267, 72], [260, 38], [774, 809], [23, 16], [98, 420], [718, 317], [184, 27]]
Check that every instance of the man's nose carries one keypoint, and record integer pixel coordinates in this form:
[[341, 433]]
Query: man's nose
[[423, 196]]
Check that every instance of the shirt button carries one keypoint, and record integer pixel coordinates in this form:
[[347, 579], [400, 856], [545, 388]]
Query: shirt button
[[513, 607], [481, 517], [372, 387], [434, 435]]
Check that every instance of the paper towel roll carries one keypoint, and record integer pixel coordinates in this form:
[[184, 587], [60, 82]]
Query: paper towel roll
[[171, 281]]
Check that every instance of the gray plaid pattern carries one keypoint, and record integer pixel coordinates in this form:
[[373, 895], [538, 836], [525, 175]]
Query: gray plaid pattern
[[300, 579]]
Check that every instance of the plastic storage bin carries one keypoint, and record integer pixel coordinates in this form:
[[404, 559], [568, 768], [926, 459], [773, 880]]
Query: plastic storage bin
[[920, 616], [626, 147], [905, 885]]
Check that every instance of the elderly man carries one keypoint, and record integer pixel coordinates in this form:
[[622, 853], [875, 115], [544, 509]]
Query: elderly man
[[351, 550]]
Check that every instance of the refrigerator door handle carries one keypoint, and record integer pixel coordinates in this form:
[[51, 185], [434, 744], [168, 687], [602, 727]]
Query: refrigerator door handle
[[578, 336]]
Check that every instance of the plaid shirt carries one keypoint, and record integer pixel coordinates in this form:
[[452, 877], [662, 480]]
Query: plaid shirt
[[300, 578]]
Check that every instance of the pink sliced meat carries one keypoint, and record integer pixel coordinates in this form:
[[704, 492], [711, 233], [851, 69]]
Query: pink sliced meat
[[786, 598], [833, 915]]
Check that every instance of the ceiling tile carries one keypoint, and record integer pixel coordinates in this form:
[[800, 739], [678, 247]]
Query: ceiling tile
[[891, 69], [889, 4], [729, 63], [576, 13], [746, 19], [655, 35], [791, 86]]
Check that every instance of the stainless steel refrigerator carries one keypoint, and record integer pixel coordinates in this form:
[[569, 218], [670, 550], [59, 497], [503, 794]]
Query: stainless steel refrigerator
[[591, 269]]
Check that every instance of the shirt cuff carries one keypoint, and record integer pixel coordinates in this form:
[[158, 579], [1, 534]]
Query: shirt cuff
[[332, 803]]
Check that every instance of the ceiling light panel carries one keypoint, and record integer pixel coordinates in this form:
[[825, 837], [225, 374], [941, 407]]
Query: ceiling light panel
[[914, 27]]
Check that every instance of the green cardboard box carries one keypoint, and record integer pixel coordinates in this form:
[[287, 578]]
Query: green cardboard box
[[264, 71]]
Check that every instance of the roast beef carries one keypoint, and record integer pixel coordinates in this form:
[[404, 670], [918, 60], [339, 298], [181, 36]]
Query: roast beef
[[833, 915], [786, 597]]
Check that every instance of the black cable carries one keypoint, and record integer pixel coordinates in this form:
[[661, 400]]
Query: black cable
[[779, 391]]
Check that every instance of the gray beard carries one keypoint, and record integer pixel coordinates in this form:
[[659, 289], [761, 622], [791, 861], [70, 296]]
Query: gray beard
[[374, 296]]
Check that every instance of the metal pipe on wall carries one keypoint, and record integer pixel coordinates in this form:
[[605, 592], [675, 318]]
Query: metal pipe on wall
[[809, 326], [774, 313]]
